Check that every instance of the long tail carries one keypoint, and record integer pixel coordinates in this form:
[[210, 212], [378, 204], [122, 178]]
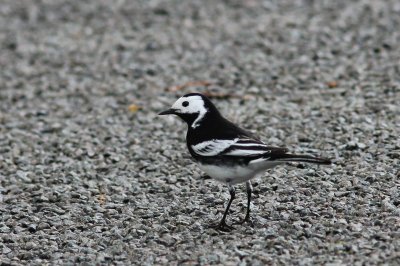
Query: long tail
[[302, 158]]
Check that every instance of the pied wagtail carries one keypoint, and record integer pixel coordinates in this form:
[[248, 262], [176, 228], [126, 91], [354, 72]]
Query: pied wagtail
[[226, 152]]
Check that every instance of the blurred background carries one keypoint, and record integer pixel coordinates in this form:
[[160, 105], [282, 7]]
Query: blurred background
[[89, 173]]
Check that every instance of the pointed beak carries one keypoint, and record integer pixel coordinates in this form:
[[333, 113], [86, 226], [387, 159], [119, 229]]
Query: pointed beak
[[168, 112]]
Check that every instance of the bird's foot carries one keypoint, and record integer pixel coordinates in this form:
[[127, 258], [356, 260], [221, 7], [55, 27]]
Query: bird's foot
[[246, 220], [204, 177], [222, 226]]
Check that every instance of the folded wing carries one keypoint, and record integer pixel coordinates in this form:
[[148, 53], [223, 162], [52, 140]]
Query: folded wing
[[238, 147]]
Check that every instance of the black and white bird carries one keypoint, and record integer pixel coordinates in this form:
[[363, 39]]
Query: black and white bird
[[226, 152]]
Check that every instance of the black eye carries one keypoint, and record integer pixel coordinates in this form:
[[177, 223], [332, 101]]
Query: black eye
[[185, 103]]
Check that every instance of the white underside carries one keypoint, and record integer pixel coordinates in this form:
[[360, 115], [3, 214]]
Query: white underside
[[238, 174]]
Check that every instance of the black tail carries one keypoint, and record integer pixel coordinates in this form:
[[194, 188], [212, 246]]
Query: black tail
[[302, 158]]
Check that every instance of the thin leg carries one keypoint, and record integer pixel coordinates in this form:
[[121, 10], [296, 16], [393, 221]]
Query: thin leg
[[222, 224], [249, 189]]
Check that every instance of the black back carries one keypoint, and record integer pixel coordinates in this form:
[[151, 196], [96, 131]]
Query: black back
[[215, 126]]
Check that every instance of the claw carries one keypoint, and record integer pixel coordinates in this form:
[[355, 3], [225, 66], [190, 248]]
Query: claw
[[246, 220], [222, 226], [204, 177]]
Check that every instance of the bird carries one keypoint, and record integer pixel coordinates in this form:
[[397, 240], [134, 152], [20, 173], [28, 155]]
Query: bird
[[226, 152]]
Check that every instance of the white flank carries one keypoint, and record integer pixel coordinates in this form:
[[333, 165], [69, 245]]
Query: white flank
[[238, 174]]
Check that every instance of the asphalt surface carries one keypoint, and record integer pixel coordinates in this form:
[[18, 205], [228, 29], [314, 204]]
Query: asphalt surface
[[89, 174]]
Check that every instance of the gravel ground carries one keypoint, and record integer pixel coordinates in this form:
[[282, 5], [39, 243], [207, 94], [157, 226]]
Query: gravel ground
[[84, 180]]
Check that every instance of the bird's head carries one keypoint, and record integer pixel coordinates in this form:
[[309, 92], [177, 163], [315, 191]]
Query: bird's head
[[192, 108]]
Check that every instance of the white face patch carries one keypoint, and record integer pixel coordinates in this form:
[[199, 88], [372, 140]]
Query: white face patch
[[191, 105]]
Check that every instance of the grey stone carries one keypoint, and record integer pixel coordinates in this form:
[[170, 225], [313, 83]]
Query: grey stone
[[83, 179]]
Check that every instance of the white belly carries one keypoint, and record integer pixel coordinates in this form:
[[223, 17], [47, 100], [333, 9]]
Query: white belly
[[237, 174]]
